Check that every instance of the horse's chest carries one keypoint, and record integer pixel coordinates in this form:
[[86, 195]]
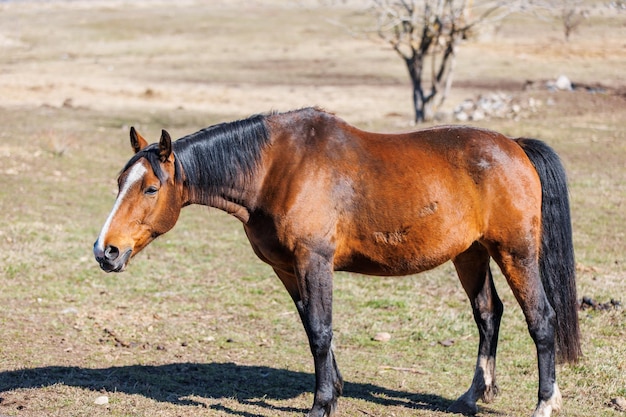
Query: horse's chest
[[268, 247]]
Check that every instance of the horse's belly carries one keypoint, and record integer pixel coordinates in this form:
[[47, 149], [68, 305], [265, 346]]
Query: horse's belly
[[402, 244], [369, 267], [389, 256]]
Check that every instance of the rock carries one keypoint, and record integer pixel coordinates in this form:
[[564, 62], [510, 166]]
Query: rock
[[589, 303], [461, 117], [101, 400], [466, 105], [447, 342], [563, 83], [486, 106], [619, 403], [382, 337], [478, 115]]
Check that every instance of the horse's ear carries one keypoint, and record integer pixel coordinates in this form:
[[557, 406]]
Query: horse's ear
[[137, 141], [165, 146]]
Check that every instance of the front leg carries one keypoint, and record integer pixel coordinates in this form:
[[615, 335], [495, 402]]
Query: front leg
[[328, 381], [311, 289]]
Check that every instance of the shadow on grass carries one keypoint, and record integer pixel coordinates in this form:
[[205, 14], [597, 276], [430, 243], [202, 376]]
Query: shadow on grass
[[176, 383]]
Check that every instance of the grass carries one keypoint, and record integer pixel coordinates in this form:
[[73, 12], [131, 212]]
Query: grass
[[198, 325]]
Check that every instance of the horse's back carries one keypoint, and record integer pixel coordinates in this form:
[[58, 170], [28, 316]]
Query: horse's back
[[425, 197], [399, 203]]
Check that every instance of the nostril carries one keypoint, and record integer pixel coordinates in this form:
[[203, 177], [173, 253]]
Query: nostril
[[111, 253]]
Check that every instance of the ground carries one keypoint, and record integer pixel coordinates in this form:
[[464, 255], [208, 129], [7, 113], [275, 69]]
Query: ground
[[198, 325]]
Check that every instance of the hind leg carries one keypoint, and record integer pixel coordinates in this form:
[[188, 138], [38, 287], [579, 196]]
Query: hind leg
[[522, 273], [473, 269]]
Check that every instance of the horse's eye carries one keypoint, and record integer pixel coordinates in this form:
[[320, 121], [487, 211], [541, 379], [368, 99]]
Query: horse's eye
[[152, 190]]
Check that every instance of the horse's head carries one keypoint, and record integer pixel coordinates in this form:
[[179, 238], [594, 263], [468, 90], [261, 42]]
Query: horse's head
[[148, 203]]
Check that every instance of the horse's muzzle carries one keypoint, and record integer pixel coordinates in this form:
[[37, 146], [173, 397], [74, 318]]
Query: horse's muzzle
[[111, 259]]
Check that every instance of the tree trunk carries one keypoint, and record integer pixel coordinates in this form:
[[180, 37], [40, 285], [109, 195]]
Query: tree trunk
[[414, 66], [426, 102]]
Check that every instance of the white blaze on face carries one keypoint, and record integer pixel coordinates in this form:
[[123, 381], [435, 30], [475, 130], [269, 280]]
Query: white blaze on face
[[135, 175]]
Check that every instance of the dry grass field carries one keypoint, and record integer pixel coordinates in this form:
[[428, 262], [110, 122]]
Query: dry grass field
[[198, 325]]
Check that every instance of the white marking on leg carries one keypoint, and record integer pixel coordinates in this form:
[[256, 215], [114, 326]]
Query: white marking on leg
[[486, 365], [545, 408], [483, 386], [135, 175]]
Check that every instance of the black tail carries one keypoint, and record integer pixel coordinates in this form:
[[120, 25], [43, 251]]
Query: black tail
[[556, 260]]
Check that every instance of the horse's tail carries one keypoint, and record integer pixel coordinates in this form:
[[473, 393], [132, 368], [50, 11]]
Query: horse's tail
[[556, 259]]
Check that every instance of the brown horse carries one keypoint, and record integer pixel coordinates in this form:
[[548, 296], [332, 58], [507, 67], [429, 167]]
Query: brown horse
[[316, 195]]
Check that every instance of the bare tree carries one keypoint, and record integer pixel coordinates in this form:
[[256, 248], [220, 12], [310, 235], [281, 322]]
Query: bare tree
[[426, 34], [570, 13]]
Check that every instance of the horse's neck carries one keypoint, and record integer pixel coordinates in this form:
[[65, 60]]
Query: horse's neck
[[220, 165], [238, 209], [236, 200]]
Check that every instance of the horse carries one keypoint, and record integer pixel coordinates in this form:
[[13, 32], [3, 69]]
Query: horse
[[317, 195]]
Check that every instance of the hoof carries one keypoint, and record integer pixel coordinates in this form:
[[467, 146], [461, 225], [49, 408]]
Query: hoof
[[553, 404], [323, 411], [491, 391]]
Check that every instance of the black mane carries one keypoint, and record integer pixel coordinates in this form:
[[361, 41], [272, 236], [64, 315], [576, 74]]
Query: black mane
[[221, 156], [213, 159]]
